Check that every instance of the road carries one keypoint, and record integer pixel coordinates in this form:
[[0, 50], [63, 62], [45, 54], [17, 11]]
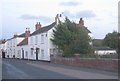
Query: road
[[25, 69]]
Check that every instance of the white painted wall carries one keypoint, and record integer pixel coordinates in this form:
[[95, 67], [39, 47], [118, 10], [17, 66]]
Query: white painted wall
[[23, 52], [51, 46], [17, 41], [91, 36], [42, 44], [12, 46]]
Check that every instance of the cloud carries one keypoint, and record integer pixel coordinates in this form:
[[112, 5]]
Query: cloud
[[33, 17], [85, 14], [67, 13], [70, 3]]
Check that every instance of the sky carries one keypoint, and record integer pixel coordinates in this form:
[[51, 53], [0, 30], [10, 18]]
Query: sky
[[100, 16]]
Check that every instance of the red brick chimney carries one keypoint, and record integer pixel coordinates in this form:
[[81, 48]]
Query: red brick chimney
[[37, 26], [27, 32], [81, 22]]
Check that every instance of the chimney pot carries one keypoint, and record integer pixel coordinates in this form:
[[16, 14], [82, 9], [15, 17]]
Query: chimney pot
[[38, 26], [27, 32], [26, 29], [81, 22]]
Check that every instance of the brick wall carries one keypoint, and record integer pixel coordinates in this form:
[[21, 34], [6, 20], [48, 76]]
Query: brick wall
[[104, 64]]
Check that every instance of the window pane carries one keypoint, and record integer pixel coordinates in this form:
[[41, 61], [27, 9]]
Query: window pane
[[42, 53], [36, 39]]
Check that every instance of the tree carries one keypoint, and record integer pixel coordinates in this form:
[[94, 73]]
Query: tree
[[71, 39], [111, 40], [118, 50], [97, 42]]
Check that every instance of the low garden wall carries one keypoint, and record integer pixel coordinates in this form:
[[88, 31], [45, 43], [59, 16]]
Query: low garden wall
[[103, 64]]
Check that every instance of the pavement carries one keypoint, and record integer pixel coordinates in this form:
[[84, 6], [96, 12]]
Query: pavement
[[26, 69]]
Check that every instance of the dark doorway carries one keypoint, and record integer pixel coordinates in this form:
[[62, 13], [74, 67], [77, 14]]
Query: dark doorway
[[37, 51], [3, 54], [22, 54]]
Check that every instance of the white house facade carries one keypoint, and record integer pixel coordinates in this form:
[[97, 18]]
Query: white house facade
[[23, 47], [11, 51], [40, 44]]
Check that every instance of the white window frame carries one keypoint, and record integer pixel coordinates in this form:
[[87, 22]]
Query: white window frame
[[26, 53], [32, 52], [31, 40], [42, 53], [36, 39], [42, 39]]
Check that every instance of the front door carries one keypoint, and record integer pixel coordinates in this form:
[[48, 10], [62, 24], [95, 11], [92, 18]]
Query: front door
[[37, 51], [22, 54], [3, 54]]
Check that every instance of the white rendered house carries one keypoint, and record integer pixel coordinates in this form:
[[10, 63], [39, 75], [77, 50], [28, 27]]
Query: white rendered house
[[41, 47], [11, 50], [39, 42], [23, 49]]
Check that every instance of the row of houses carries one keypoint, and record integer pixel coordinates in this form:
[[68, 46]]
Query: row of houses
[[36, 45], [2, 48]]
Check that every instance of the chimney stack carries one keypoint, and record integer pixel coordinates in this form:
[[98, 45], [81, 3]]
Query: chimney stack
[[37, 26], [27, 32], [15, 35], [56, 17], [81, 22]]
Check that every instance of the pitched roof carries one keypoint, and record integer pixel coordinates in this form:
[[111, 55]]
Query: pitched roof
[[99, 40], [2, 41], [24, 42], [21, 35], [43, 29], [103, 48], [84, 28]]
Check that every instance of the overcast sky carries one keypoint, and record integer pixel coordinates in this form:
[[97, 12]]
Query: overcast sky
[[100, 16]]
